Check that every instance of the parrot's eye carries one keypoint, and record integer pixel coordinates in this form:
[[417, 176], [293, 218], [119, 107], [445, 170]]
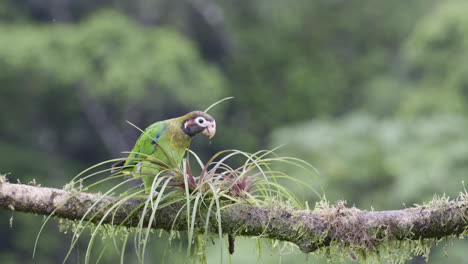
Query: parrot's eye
[[200, 120]]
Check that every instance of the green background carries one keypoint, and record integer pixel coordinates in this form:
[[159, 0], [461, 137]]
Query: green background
[[374, 94]]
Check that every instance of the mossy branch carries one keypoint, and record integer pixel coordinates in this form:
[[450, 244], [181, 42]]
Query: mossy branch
[[308, 229]]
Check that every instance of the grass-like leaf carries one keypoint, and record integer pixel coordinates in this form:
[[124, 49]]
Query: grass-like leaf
[[219, 184]]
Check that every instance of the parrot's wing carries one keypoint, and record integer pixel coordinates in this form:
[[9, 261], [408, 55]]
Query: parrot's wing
[[146, 145]]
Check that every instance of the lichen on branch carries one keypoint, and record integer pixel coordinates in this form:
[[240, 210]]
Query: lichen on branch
[[308, 229]]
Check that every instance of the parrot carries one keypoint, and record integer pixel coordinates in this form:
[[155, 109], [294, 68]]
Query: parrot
[[165, 142]]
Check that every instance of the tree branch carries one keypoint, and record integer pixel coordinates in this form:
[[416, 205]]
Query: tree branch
[[307, 229]]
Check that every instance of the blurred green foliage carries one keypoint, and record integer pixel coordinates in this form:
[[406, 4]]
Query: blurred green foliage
[[408, 160], [114, 59], [372, 93], [436, 54]]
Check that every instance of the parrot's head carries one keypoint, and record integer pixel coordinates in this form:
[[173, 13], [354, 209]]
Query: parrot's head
[[198, 121]]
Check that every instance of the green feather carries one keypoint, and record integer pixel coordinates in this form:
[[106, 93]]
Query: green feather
[[161, 146]]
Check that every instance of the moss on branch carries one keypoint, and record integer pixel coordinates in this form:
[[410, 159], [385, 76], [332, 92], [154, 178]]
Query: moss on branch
[[309, 229]]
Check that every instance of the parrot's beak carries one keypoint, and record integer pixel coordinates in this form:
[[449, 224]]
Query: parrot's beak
[[210, 130]]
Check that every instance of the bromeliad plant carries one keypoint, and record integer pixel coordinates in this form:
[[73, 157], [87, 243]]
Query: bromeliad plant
[[217, 185]]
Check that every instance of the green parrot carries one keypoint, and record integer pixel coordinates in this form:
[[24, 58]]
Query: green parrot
[[165, 142]]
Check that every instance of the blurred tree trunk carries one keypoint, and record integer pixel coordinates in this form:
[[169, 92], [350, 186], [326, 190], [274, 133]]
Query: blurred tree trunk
[[60, 10], [212, 32], [97, 115]]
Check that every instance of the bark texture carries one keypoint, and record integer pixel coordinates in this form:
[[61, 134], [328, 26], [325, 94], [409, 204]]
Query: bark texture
[[307, 229]]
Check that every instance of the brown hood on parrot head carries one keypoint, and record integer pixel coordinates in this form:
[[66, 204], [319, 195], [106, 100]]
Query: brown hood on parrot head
[[198, 121]]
